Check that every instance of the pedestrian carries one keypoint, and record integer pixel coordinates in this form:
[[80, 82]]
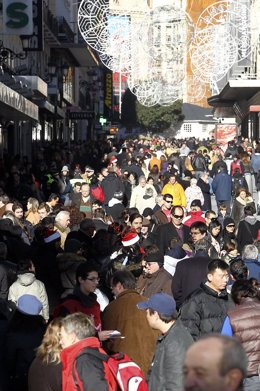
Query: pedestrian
[[215, 363], [166, 368]]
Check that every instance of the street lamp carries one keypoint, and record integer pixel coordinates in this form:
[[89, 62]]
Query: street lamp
[[8, 54]]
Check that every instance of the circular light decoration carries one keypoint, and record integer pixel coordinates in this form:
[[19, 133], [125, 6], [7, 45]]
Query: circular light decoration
[[148, 92], [166, 32], [212, 53], [169, 93], [235, 14], [196, 89], [92, 23]]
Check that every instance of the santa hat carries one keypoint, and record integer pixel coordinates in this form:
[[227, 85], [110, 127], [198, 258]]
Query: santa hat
[[113, 160], [51, 235], [130, 238]]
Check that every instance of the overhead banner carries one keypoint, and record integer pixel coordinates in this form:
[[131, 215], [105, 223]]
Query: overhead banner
[[17, 17]]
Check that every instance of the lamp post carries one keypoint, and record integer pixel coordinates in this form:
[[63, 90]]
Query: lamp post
[[8, 54]]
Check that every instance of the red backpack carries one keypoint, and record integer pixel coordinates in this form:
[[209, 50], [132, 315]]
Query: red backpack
[[122, 369]]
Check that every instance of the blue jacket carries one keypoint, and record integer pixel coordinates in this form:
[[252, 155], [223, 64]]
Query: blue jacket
[[254, 268], [255, 162], [222, 186]]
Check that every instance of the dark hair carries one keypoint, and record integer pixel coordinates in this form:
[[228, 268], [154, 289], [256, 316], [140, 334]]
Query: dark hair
[[217, 264], [165, 318], [238, 269], [173, 209], [53, 196], [16, 205], [125, 277], [84, 269], [202, 227], [209, 212], [24, 265], [134, 216], [249, 210], [215, 224], [43, 205], [167, 196], [243, 288]]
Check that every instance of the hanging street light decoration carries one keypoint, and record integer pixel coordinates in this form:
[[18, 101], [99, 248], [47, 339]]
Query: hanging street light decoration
[[151, 47]]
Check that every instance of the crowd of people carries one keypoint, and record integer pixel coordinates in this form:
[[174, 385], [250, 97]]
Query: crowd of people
[[142, 246]]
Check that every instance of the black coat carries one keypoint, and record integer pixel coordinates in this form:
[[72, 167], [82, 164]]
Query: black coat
[[205, 188], [110, 185], [204, 311], [247, 233], [188, 276], [166, 232], [24, 335]]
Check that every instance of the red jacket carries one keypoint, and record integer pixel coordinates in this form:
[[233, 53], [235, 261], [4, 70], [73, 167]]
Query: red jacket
[[89, 374], [194, 216], [71, 305]]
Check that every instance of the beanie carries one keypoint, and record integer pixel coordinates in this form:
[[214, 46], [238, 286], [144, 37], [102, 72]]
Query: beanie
[[156, 256], [227, 221], [29, 304], [130, 238]]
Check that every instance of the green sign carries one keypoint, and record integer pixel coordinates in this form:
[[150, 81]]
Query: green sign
[[17, 17]]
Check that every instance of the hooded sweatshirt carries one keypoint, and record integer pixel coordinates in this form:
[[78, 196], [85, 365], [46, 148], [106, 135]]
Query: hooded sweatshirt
[[27, 284]]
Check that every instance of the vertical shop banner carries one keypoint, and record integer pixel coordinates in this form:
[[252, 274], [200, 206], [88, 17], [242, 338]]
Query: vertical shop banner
[[108, 98], [17, 17], [36, 42], [225, 133]]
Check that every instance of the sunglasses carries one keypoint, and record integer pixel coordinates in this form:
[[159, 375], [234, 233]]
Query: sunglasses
[[231, 225], [168, 201], [178, 217]]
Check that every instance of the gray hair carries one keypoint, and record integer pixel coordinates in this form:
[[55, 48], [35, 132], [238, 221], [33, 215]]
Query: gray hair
[[141, 177], [158, 198], [61, 215], [250, 251], [80, 324]]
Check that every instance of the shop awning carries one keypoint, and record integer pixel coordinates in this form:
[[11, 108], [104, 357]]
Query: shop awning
[[15, 106]]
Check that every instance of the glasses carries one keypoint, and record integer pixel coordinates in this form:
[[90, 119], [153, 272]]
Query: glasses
[[231, 226], [92, 279], [168, 201], [178, 217]]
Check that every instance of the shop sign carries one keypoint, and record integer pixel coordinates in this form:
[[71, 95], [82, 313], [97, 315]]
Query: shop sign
[[17, 17]]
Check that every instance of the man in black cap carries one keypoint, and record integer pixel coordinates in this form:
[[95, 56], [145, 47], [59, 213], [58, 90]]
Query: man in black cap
[[166, 370], [155, 278]]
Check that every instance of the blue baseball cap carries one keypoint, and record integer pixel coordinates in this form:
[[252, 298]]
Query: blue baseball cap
[[160, 302]]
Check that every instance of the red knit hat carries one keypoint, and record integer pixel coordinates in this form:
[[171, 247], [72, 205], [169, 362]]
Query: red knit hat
[[113, 160], [130, 238]]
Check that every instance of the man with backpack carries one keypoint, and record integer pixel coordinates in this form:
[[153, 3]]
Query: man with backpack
[[80, 369], [87, 367]]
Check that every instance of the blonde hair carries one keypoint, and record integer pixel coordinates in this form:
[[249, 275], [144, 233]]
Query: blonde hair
[[50, 348], [34, 203]]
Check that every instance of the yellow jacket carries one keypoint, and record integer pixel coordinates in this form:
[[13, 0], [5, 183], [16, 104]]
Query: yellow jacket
[[177, 193]]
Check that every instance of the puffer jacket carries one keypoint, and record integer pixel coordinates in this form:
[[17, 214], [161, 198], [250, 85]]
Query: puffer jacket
[[245, 323], [204, 311], [27, 284]]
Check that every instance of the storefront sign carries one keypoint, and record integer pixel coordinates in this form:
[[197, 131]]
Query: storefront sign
[[78, 115], [36, 40], [17, 17]]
